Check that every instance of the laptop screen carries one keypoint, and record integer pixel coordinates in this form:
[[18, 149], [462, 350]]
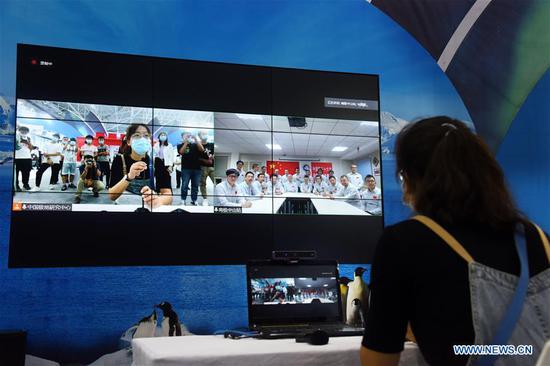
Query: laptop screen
[[289, 293]]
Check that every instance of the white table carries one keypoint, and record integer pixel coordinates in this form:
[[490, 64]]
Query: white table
[[271, 204], [264, 205], [216, 350]]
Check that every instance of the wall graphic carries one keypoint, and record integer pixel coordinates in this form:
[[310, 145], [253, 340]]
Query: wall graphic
[[78, 314]]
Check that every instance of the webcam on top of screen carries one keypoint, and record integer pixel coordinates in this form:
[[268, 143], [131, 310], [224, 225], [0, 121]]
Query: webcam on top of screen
[[291, 255]]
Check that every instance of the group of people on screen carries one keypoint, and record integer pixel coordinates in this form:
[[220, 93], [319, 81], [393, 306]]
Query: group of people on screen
[[60, 156], [129, 171], [241, 188]]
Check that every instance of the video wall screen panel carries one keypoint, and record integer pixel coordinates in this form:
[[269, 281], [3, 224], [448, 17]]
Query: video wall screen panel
[[284, 157]]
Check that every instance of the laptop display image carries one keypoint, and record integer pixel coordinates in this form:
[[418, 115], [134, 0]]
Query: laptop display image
[[288, 298]]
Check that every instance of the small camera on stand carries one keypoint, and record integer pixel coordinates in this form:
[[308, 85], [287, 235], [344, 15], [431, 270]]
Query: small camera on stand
[[293, 255]]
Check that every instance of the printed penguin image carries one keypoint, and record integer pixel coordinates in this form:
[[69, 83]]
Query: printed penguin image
[[357, 299], [170, 323], [344, 292], [147, 326]]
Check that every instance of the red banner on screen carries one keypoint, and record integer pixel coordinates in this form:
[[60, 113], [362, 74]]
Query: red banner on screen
[[316, 165], [281, 166], [111, 140]]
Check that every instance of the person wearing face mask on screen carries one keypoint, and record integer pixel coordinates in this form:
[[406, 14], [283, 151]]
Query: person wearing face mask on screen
[[163, 155], [89, 178], [23, 158], [207, 165], [68, 171], [50, 159], [130, 170], [103, 158], [87, 149], [191, 151]]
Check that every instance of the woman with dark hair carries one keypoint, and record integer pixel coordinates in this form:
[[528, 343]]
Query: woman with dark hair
[[451, 271], [163, 157], [130, 170]]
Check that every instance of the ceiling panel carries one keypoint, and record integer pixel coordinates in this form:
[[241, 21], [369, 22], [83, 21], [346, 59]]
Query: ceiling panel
[[292, 144]]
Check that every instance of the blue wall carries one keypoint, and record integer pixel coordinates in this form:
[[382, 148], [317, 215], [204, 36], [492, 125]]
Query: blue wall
[[78, 314], [525, 155]]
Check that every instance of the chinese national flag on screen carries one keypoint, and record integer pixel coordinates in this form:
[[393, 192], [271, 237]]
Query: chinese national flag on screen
[[282, 165]]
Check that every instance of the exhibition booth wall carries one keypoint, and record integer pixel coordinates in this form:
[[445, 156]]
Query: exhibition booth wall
[[78, 314]]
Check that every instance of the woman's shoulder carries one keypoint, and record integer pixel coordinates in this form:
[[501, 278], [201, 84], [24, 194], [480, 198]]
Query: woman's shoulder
[[405, 227], [404, 235]]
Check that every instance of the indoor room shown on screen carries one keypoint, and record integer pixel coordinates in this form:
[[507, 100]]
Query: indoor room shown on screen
[[297, 165], [273, 291]]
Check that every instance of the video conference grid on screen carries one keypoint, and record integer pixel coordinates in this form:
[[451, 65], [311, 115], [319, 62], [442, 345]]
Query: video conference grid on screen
[[68, 156], [204, 144]]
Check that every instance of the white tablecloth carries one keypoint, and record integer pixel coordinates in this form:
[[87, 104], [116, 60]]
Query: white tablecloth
[[265, 205], [216, 350]]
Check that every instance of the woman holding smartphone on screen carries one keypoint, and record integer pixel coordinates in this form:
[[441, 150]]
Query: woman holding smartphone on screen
[[163, 155], [130, 170]]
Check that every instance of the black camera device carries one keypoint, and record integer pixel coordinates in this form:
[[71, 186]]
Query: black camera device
[[293, 254]]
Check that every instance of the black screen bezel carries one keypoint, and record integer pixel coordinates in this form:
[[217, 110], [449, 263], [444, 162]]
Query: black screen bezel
[[255, 323], [25, 252]]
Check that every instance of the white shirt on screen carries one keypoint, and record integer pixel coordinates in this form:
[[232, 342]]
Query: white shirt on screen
[[177, 160], [355, 179], [277, 189], [350, 194], [227, 195], [372, 200], [69, 154], [240, 179], [306, 187], [319, 188], [262, 186], [254, 189], [332, 189], [164, 152], [52, 148], [291, 186], [23, 152], [87, 150]]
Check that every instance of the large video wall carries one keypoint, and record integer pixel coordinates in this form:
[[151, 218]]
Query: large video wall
[[210, 146]]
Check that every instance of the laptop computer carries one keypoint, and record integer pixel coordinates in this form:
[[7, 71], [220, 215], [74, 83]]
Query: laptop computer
[[291, 298]]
